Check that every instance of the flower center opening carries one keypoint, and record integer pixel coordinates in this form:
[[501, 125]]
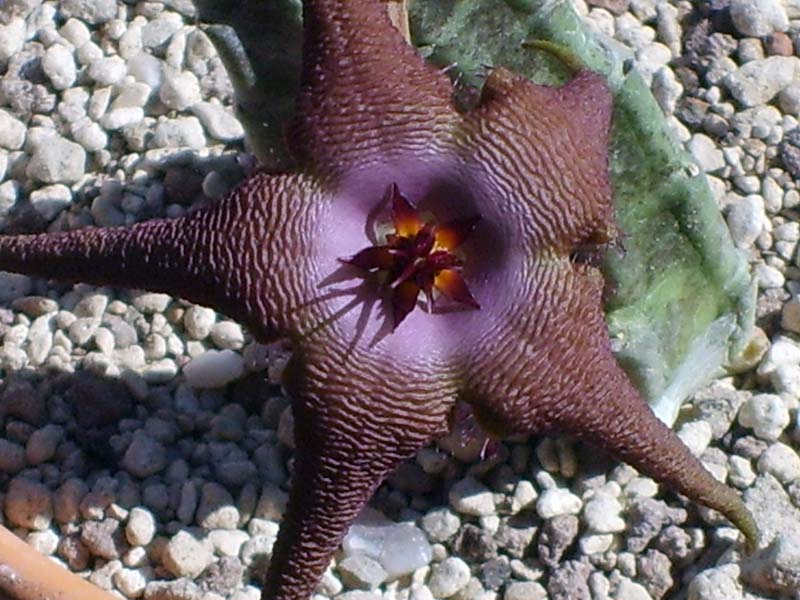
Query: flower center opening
[[417, 258]]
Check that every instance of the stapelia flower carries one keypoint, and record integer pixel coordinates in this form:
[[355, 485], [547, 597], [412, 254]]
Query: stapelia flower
[[515, 189]]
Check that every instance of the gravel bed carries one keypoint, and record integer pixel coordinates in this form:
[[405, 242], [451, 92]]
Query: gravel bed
[[132, 448]]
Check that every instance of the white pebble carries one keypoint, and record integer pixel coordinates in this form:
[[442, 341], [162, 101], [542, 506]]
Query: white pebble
[[746, 218], [448, 577], [122, 117], [218, 121], [75, 32], [185, 556], [198, 321], [181, 132], [759, 81], [57, 161], [758, 18], [147, 69], [766, 415], [558, 501], [602, 514], [696, 435], [141, 527], [717, 583], [227, 335], [51, 200], [781, 461], [59, 66], [706, 152], [12, 37], [470, 497], [180, 90], [214, 368], [12, 131], [108, 71]]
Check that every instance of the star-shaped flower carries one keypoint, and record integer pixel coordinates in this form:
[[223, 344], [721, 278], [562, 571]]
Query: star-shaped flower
[[338, 257]]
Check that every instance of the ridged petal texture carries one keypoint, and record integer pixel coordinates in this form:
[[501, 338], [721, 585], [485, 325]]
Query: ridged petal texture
[[528, 164]]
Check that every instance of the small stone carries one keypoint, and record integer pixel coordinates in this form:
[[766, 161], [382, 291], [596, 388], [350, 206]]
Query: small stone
[[103, 538], [134, 93], [180, 90], [151, 303], [131, 582], [602, 514], [12, 131], [758, 18], [13, 286], [144, 457], [776, 568], [781, 461], [766, 415], [214, 368], [141, 527], [75, 32], [12, 457], [440, 524], [706, 152], [57, 161], [146, 68], [219, 122], [122, 117], [470, 497], [43, 443], [94, 12], [199, 321], [558, 501], [448, 577], [557, 535], [59, 66], [717, 583], [359, 571], [108, 71], [227, 335], [185, 556], [746, 218], [769, 277], [525, 590], [228, 542], [12, 38], [630, 590], [50, 200], [759, 81], [179, 133], [158, 31], [89, 134], [696, 435], [217, 509], [180, 589], [28, 504], [789, 99]]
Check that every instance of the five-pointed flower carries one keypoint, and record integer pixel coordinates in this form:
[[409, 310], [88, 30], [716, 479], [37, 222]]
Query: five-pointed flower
[[371, 379]]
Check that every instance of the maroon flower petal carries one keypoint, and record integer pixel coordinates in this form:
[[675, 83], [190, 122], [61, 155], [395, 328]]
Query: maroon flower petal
[[452, 286]]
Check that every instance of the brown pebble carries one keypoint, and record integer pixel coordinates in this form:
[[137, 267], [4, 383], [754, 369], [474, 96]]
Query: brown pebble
[[778, 44]]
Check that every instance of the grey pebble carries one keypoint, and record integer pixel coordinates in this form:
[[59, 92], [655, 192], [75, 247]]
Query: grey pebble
[[43, 443], [12, 457], [95, 12], [103, 538], [145, 456]]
